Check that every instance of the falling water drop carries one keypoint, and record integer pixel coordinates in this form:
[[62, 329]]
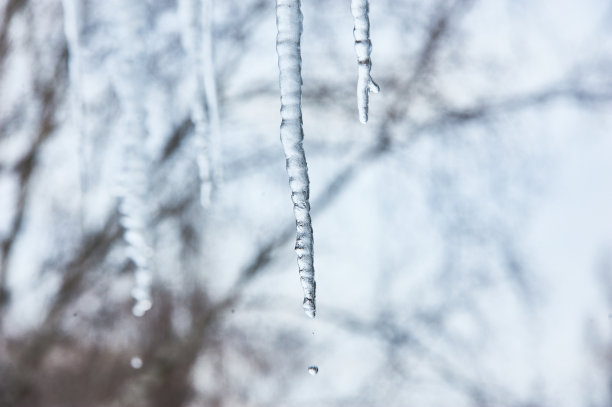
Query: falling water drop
[[136, 362], [313, 370]]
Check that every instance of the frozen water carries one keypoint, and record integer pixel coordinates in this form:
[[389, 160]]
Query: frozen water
[[197, 40], [289, 23], [128, 67], [363, 48]]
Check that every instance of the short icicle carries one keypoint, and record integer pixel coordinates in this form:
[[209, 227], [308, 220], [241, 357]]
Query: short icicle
[[210, 92], [289, 25], [363, 48]]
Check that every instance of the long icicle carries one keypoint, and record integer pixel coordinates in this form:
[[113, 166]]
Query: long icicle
[[289, 24], [193, 42], [72, 10], [363, 48], [130, 82]]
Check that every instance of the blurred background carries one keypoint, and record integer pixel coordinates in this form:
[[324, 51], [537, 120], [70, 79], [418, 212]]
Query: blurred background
[[463, 237]]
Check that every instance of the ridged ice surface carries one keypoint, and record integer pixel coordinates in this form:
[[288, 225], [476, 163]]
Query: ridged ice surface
[[192, 32], [363, 48], [129, 77], [289, 25]]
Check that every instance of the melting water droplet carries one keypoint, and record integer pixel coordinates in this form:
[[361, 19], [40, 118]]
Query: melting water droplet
[[136, 362], [141, 307], [313, 370]]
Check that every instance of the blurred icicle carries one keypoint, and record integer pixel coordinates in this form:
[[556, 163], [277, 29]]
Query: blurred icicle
[[289, 24], [130, 81], [197, 41], [363, 47], [72, 11], [210, 89]]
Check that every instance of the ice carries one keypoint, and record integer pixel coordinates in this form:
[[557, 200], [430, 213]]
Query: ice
[[363, 48], [129, 80], [289, 24]]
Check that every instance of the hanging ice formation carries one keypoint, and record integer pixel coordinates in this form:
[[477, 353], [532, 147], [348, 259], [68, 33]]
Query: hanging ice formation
[[129, 78], [363, 47], [71, 31], [197, 41], [289, 25], [210, 91]]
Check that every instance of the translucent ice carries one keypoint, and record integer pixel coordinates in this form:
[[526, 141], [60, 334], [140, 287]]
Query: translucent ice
[[289, 25], [363, 47]]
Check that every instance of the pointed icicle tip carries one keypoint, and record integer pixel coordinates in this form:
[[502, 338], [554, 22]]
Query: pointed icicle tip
[[309, 307], [373, 86]]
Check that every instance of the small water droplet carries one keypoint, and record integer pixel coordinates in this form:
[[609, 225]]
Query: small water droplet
[[313, 370], [141, 307], [609, 316], [233, 310], [136, 362]]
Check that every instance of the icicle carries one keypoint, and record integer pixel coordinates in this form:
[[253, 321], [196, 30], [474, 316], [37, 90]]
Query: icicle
[[194, 43], [210, 90], [71, 31], [363, 47], [130, 76], [289, 25], [134, 219]]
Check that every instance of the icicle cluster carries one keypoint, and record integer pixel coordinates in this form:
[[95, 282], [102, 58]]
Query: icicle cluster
[[363, 47], [197, 41], [130, 81], [289, 25]]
